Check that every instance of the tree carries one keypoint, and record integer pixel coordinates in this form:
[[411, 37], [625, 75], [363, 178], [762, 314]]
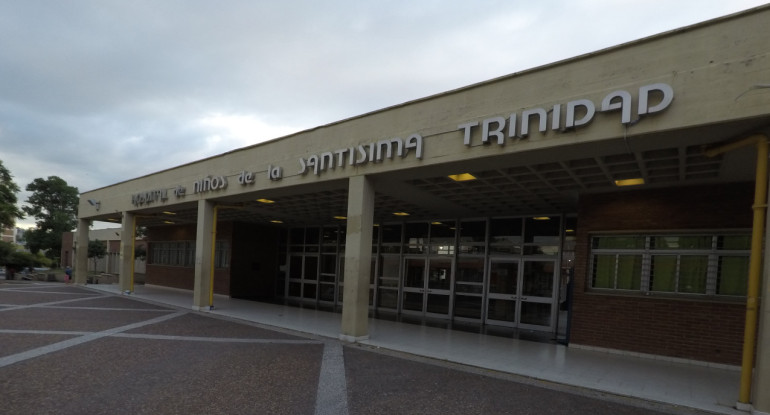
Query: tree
[[9, 212], [96, 249], [54, 204]]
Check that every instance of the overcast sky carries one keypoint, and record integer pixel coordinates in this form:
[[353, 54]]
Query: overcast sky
[[97, 92]]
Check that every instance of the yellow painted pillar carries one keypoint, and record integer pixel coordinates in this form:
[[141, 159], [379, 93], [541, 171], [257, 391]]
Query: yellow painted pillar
[[80, 272], [127, 241], [204, 256], [761, 395], [358, 257]]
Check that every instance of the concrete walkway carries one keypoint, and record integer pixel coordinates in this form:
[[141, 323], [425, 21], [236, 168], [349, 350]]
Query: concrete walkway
[[708, 388]]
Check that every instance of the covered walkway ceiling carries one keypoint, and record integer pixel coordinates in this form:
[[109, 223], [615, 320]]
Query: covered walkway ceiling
[[537, 182]]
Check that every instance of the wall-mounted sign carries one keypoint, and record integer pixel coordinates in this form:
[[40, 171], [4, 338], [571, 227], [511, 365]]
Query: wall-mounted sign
[[149, 197], [246, 177], [210, 183], [364, 153], [577, 113]]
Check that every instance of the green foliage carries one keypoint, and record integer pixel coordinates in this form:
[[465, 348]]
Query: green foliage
[[96, 249], [54, 204], [23, 259], [6, 249], [140, 252], [9, 212]]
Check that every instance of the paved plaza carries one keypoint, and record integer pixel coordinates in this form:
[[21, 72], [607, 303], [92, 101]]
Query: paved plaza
[[72, 350]]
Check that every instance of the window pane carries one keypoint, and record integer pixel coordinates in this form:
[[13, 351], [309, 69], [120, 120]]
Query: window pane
[[619, 242], [629, 272], [693, 270], [473, 231], [733, 274], [505, 231], [545, 232], [735, 242], [604, 271], [470, 270], [391, 233], [663, 275], [682, 242]]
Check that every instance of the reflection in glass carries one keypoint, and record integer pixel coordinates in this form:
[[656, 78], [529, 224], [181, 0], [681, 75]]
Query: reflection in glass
[[309, 291], [538, 279], [440, 274], [503, 310], [468, 306], [438, 303], [414, 275], [412, 301], [538, 314], [387, 298], [503, 277], [295, 267], [326, 293], [311, 268]]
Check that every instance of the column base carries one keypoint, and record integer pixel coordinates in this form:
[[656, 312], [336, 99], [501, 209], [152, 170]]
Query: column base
[[202, 308], [353, 339], [745, 407]]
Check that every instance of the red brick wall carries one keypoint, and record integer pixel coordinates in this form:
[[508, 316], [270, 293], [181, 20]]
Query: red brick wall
[[184, 277], [700, 329]]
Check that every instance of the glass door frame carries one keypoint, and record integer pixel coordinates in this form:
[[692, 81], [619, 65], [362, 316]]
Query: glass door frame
[[553, 300], [488, 295], [426, 290]]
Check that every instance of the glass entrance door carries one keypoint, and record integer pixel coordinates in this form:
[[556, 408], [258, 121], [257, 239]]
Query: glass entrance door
[[303, 277], [503, 292], [521, 293], [427, 286], [539, 295]]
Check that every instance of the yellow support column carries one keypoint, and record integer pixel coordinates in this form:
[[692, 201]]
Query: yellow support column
[[755, 262], [203, 289]]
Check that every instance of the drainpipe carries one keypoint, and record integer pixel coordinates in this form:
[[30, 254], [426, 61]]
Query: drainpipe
[[755, 260]]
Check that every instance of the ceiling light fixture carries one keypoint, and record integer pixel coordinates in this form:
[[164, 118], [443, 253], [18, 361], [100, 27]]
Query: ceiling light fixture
[[462, 177], [265, 201], [340, 217], [629, 182], [169, 213], [542, 218], [400, 213], [276, 221]]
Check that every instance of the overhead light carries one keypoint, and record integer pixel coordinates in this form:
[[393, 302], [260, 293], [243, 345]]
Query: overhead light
[[569, 230], [436, 223], [340, 217], [169, 213], [629, 182], [265, 201], [400, 213], [541, 218], [112, 220], [169, 222], [276, 221], [462, 177]]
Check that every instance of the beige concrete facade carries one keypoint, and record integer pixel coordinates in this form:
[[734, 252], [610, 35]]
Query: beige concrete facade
[[673, 93]]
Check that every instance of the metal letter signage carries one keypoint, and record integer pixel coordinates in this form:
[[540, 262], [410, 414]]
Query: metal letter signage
[[209, 183], [578, 113], [374, 152], [152, 196]]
